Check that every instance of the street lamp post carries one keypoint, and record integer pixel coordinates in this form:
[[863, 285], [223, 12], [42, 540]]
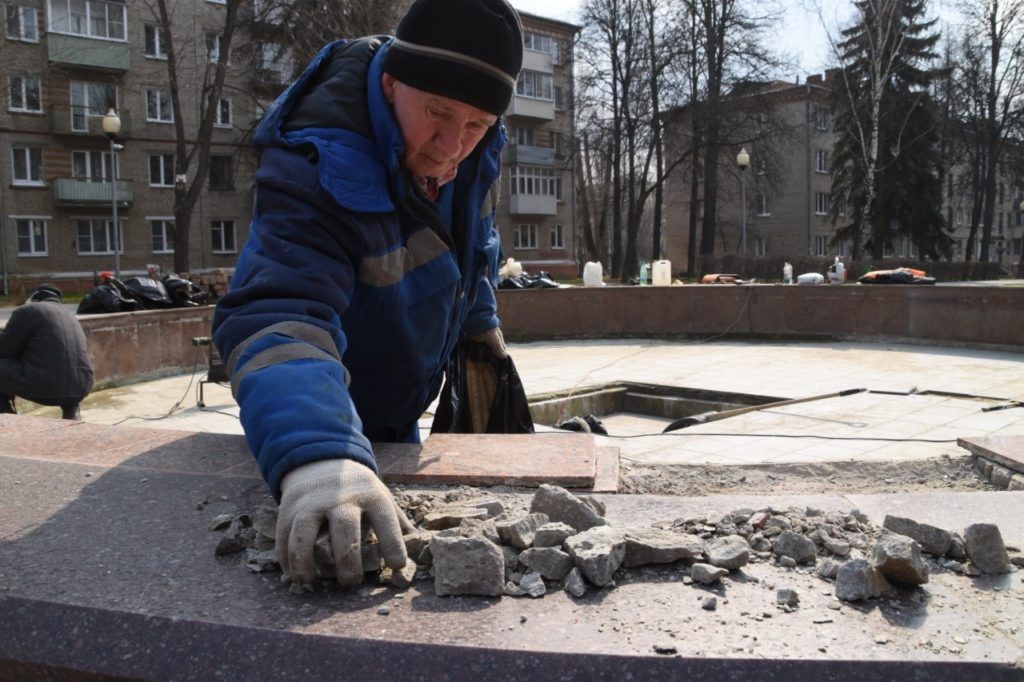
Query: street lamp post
[[743, 161], [112, 126]]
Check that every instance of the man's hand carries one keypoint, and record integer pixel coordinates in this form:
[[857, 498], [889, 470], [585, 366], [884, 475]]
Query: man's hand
[[494, 340], [341, 492]]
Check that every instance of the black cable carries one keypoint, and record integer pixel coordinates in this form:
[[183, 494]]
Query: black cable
[[195, 370], [768, 435]]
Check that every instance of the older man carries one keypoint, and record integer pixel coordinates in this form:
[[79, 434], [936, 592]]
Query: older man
[[43, 357], [371, 255]]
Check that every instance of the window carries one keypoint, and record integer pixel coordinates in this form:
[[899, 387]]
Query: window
[[223, 234], [761, 201], [557, 237], [90, 100], [162, 230], [276, 60], [556, 51], [558, 142], [887, 251], [158, 105], [842, 206], [908, 249], [557, 91], [558, 189], [820, 245], [536, 42], [840, 248], [161, 170], [96, 237], [524, 136], [22, 23], [213, 48], [27, 163], [91, 165], [1001, 222], [821, 200], [534, 84], [222, 117], [31, 232], [532, 180], [821, 161], [761, 166], [155, 44], [821, 119], [26, 94], [524, 237], [760, 246], [90, 18], [220, 172]]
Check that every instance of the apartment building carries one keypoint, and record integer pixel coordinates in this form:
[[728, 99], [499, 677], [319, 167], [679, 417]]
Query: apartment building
[[1007, 225], [66, 63], [536, 213]]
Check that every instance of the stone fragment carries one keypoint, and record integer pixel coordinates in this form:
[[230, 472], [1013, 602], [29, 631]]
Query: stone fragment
[[828, 568], [264, 520], [840, 548], [1001, 477], [739, 516], [787, 562], [512, 589], [858, 580], [984, 466], [416, 542], [898, 558], [598, 553], [932, 540], [552, 534], [798, 547], [759, 519], [533, 585], [574, 583], [229, 544], [730, 552], [594, 503], [1016, 482], [220, 522], [787, 597], [492, 505], [656, 546], [426, 558], [563, 507], [665, 648], [467, 566], [401, 577], [759, 543], [957, 550], [1017, 561], [706, 574], [550, 562], [451, 517], [383, 611], [520, 532], [480, 528], [260, 561], [709, 603], [511, 558], [985, 548]]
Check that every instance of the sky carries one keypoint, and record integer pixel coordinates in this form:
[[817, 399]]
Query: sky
[[801, 34]]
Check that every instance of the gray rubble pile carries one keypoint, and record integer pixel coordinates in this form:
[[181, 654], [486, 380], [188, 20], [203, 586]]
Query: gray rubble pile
[[469, 544]]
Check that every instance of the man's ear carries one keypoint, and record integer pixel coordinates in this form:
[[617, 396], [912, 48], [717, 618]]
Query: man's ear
[[387, 83]]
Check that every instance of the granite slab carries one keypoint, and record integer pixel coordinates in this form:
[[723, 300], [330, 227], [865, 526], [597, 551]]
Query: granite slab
[[1005, 450]]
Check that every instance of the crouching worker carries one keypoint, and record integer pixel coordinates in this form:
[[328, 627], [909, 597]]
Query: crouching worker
[[370, 256], [43, 356]]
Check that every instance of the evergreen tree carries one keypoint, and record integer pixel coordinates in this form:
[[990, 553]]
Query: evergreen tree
[[888, 168]]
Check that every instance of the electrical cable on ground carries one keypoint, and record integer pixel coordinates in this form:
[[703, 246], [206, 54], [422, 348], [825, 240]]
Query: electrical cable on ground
[[176, 405]]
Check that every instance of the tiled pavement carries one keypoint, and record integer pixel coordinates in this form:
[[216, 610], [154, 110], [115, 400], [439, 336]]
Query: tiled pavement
[[834, 429]]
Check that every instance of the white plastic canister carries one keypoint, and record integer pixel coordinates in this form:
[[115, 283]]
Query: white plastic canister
[[593, 275], [662, 276]]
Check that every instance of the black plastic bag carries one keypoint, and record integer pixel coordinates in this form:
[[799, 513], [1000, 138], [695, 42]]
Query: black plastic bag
[[541, 280], [509, 411], [110, 297], [149, 292]]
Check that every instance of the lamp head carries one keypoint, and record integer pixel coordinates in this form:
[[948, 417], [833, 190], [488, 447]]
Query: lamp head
[[111, 122], [743, 159]]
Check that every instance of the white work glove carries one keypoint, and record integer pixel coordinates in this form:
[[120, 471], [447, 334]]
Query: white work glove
[[494, 340], [341, 492]]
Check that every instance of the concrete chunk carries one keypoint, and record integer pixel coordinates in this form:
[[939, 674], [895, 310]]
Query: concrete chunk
[[552, 534], [520, 532], [899, 559], [550, 562], [416, 542], [598, 553], [932, 540], [706, 574], [574, 583], [1001, 477], [452, 517], [467, 566], [658, 546], [730, 552], [799, 548], [858, 580], [985, 548], [533, 585], [562, 506]]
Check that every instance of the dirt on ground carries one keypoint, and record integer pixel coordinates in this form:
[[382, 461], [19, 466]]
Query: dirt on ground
[[940, 473]]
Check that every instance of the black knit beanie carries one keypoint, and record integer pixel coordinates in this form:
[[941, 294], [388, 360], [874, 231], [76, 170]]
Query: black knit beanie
[[468, 50], [45, 292]]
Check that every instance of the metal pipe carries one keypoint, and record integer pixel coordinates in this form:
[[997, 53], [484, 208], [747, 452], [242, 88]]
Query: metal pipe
[[743, 211], [113, 201]]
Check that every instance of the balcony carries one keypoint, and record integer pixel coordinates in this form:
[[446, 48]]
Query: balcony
[[528, 154], [532, 204], [94, 193], [92, 53], [529, 107], [537, 61], [76, 120]]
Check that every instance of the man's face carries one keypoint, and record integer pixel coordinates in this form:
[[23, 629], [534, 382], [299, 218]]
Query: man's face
[[439, 132]]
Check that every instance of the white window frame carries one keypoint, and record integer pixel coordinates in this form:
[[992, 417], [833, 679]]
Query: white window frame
[[524, 136], [821, 203], [557, 96], [821, 245], [92, 10], [27, 153], [213, 43], [218, 117], [537, 42], [761, 202], [760, 246], [821, 161], [275, 58], [160, 50], [166, 225], [530, 82], [558, 237], [821, 119], [166, 175], [524, 236], [219, 224], [532, 180], [108, 227], [33, 252], [157, 93], [106, 162], [88, 108], [23, 89], [27, 16]]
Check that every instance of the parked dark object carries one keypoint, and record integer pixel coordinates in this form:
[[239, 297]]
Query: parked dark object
[[896, 276], [111, 295], [587, 424], [184, 293], [150, 293], [542, 280], [466, 404]]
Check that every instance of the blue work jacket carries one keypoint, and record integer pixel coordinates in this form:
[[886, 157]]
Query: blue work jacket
[[352, 289]]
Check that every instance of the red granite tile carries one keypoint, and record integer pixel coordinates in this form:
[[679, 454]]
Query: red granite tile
[[606, 479]]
